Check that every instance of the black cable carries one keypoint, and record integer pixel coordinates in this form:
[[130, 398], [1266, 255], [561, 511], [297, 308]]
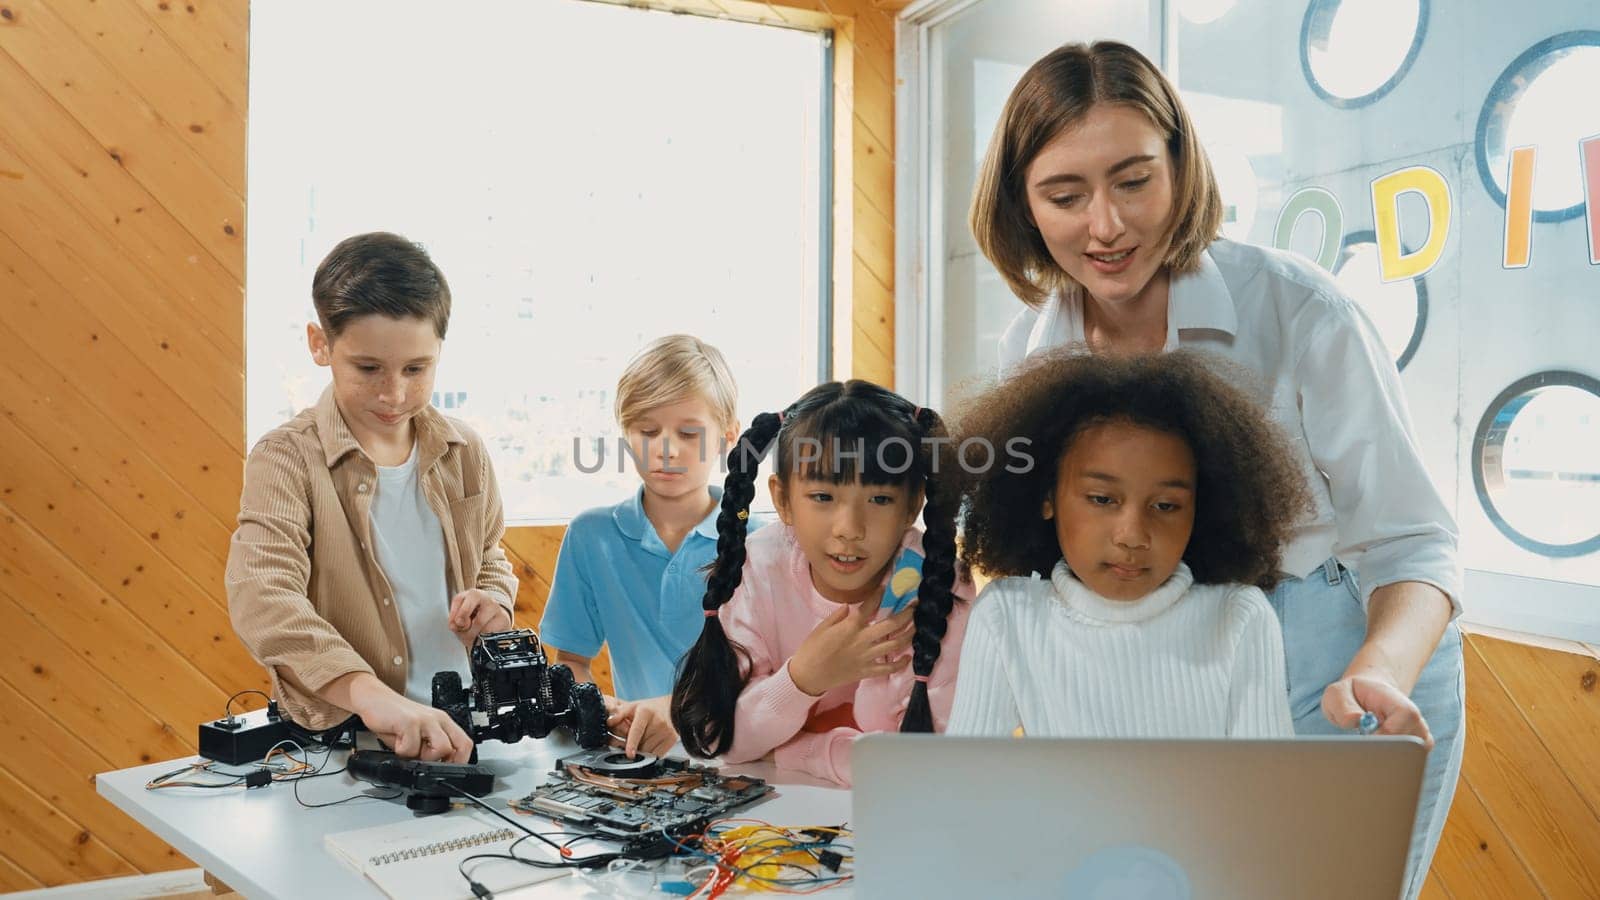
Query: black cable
[[592, 861], [529, 831], [227, 709], [327, 754], [511, 853], [772, 859], [208, 767]]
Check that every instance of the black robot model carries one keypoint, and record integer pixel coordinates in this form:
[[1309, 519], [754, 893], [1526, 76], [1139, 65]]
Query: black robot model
[[517, 693]]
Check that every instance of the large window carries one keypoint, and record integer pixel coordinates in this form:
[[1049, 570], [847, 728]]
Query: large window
[[588, 176], [1443, 167], [966, 57], [1400, 136]]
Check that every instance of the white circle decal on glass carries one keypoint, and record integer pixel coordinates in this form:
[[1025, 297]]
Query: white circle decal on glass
[[1354, 51], [1537, 466], [1204, 12], [1532, 104], [1398, 309]]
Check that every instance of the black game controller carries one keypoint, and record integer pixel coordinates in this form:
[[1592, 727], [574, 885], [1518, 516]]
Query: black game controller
[[429, 786]]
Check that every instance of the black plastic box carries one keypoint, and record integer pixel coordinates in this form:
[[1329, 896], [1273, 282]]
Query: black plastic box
[[246, 739]]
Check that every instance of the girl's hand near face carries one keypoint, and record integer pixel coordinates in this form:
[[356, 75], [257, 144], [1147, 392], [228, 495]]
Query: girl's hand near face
[[848, 646]]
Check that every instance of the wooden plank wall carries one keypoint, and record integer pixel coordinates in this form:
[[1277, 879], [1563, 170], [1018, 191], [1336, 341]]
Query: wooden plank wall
[[122, 170], [1526, 817], [122, 142]]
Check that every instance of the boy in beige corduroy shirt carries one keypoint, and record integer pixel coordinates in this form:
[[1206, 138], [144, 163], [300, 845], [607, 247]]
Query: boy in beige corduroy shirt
[[368, 549]]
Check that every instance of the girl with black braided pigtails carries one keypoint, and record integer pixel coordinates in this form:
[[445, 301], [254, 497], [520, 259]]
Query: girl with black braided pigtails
[[806, 642]]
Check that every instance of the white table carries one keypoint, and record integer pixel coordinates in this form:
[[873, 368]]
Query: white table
[[264, 844]]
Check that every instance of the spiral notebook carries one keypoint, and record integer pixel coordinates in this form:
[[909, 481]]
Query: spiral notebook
[[418, 858]]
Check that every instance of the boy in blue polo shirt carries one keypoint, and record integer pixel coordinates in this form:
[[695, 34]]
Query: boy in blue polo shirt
[[631, 575]]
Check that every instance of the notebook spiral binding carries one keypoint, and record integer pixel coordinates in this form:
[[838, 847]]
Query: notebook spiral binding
[[475, 840]]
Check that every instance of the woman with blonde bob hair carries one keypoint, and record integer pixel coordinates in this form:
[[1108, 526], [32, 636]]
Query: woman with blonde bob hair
[[1097, 205]]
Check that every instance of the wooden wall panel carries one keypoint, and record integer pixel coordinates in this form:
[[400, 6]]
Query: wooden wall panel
[[14, 878], [211, 36], [90, 277], [47, 406], [54, 674], [111, 105], [53, 760], [1549, 825], [50, 846], [1557, 696], [79, 555], [62, 154], [122, 195], [129, 395], [139, 54], [121, 409], [1474, 860]]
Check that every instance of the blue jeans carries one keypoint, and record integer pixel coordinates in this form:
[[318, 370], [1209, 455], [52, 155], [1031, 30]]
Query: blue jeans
[[1323, 626]]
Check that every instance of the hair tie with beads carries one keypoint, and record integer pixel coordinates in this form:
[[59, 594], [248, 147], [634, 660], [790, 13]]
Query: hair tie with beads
[[743, 514]]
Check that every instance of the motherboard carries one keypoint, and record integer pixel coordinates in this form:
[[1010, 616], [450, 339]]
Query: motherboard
[[627, 798]]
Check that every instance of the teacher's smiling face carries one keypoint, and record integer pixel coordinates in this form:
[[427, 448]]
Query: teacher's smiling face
[[1100, 194]]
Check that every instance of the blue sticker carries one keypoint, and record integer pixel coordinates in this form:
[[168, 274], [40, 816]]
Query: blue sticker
[[910, 563]]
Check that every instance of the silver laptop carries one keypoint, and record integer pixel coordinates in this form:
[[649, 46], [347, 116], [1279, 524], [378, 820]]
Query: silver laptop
[[938, 816]]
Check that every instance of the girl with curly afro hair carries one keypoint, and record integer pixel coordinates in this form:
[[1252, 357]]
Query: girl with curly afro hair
[[1130, 545]]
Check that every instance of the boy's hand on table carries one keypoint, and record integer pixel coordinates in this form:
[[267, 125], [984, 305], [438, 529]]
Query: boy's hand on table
[[474, 612], [413, 730]]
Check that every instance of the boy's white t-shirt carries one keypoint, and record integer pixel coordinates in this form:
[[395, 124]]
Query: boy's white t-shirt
[[409, 541]]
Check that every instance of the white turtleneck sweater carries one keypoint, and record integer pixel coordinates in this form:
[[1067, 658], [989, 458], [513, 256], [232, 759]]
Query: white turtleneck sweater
[[1059, 660]]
